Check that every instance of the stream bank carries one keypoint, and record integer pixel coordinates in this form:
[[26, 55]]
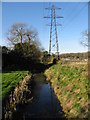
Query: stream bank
[[44, 104], [70, 83], [18, 97]]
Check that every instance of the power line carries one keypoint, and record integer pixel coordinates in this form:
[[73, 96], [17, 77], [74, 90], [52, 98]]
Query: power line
[[71, 13], [75, 16]]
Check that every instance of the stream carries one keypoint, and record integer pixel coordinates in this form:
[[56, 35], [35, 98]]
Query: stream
[[44, 104]]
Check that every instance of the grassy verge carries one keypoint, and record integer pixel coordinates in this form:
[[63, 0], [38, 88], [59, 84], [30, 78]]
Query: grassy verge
[[10, 80], [70, 83]]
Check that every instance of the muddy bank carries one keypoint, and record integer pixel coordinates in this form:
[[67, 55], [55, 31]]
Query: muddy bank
[[18, 97]]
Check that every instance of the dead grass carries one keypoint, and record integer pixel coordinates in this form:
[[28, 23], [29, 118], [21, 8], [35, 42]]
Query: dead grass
[[69, 81]]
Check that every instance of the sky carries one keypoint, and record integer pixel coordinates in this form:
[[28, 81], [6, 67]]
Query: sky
[[75, 21]]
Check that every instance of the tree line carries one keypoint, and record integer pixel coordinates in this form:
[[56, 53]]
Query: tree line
[[83, 55], [25, 49]]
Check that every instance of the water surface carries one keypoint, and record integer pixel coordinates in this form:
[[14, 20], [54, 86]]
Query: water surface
[[45, 103]]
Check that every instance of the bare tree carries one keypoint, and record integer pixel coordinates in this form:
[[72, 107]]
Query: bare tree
[[84, 38], [31, 34], [16, 34], [19, 33]]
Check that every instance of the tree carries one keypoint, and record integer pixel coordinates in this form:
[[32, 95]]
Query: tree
[[16, 34], [19, 33], [30, 51], [25, 41], [45, 57], [5, 49], [85, 36], [31, 34]]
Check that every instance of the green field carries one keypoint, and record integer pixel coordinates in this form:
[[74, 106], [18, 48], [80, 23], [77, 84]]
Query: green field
[[70, 83], [10, 80]]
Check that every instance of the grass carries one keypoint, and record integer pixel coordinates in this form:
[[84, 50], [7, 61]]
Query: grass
[[70, 83], [10, 80]]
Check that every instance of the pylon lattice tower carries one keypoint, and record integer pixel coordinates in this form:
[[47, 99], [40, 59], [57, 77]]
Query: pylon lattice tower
[[53, 29]]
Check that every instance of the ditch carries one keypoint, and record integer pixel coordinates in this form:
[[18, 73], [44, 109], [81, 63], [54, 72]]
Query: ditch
[[44, 104]]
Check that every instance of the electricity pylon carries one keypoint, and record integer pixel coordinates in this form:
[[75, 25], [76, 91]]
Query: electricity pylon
[[53, 29]]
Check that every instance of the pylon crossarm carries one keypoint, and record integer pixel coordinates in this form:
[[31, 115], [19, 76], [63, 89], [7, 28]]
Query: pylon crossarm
[[47, 17], [59, 17]]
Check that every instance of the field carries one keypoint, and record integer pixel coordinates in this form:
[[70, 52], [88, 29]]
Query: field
[[10, 80], [70, 83]]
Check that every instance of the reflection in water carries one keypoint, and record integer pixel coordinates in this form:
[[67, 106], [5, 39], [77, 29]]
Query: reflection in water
[[45, 103]]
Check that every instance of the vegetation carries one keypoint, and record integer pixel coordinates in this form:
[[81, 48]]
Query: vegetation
[[75, 55], [68, 79], [45, 57], [9, 80], [70, 83], [26, 49], [85, 35], [19, 33]]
